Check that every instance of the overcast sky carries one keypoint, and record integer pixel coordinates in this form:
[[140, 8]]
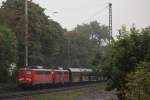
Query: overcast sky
[[73, 12]]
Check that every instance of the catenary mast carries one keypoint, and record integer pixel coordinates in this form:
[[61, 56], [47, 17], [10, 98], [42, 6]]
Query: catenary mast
[[26, 33], [110, 22]]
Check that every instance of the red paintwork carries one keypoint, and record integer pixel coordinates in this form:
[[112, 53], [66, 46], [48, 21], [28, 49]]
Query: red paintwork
[[61, 76], [22, 78], [37, 76], [43, 78], [34, 77]]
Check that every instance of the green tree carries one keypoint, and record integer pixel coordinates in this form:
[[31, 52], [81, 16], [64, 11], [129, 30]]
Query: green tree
[[138, 83], [98, 38], [8, 52], [77, 50], [125, 54], [94, 31], [44, 33]]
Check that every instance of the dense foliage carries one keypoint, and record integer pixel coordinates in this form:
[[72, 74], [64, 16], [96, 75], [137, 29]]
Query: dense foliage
[[138, 83], [124, 54], [8, 52], [44, 34], [79, 49], [80, 45], [98, 39], [95, 31]]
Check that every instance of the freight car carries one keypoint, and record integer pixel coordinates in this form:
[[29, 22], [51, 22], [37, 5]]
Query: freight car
[[80, 74], [39, 76]]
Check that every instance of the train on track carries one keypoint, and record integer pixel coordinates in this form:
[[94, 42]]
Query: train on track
[[39, 76]]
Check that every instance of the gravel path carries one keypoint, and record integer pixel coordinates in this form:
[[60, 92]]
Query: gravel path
[[97, 94], [103, 95]]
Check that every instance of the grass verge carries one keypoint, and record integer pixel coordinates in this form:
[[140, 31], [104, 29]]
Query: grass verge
[[70, 94]]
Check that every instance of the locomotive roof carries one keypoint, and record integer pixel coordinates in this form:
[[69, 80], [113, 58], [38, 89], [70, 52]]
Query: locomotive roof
[[61, 70], [80, 70], [42, 69], [75, 69], [86, 70], [37, 69]]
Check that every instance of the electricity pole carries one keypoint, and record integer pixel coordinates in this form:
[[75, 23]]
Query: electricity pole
[[26, 33], [110, 22], [69, 56]]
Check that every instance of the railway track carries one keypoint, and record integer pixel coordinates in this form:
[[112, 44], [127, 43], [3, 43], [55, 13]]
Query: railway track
[[21, 94]]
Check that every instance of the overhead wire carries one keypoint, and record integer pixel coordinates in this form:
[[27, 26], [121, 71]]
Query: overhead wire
[[97, 13]]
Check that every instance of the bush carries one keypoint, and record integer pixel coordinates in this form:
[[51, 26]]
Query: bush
[[8, 52], [138, 85]]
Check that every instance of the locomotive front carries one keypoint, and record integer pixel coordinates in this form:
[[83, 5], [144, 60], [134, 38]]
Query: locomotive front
[[25, 76]]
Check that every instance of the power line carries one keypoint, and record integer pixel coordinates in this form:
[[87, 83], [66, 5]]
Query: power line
[[97, 13]]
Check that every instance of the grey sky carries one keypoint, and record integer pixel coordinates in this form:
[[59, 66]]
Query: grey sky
[[73, 12]]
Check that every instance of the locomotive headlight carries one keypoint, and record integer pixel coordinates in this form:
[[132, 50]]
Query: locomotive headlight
[[20, 79], [28, 79]]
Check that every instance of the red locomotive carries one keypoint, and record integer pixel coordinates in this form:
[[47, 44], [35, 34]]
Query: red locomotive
[[38, 76]]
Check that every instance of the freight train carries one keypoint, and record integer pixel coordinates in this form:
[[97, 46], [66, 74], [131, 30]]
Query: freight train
[[40, 76]]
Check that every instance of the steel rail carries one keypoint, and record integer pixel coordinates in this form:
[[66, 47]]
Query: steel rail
[[11, 96]]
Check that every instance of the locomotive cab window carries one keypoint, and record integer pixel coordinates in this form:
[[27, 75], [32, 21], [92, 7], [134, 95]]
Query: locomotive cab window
[[21, 72], [28, 72]]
